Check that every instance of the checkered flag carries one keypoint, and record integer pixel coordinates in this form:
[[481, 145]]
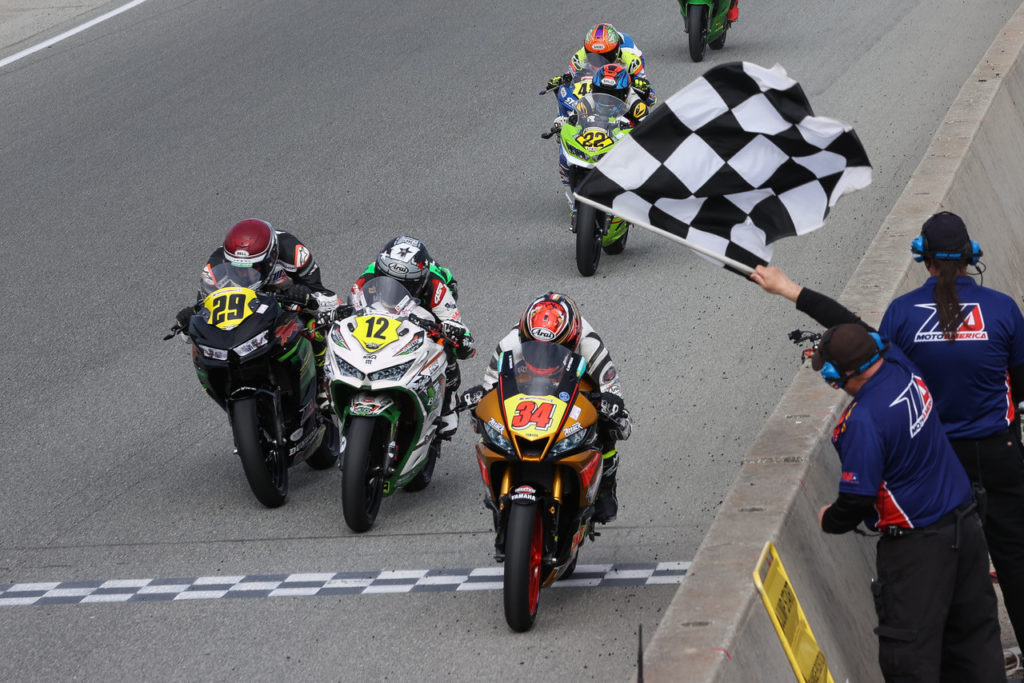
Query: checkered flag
[[729, 164]]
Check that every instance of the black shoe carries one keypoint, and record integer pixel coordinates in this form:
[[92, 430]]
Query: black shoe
[[606, 507]]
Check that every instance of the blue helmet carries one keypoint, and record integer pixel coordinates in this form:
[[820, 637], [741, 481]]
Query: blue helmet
[[612, 79]]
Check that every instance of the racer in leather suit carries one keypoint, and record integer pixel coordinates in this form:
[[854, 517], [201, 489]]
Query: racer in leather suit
[[407, 260], [555, 317]]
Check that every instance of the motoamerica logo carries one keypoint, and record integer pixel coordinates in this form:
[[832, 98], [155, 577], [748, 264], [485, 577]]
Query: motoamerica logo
[[918, 401], [971, 329]]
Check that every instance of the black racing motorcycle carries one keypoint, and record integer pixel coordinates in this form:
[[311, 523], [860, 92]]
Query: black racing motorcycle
[[253, 356]]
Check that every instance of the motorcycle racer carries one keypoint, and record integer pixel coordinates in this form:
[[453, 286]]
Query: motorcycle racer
[[286, 267], [604, 44], [556, 318], [407, 260], [610, 79]]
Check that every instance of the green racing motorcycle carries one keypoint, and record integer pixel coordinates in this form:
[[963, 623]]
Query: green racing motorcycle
[[597, 123], [706, 22]]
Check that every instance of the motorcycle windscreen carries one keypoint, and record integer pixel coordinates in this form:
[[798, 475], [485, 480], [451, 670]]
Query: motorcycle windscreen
[[538, 388]]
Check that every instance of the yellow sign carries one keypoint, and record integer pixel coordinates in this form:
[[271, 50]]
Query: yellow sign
[[806, 658], [229, 306], [594, 139], [375, 332], [534, 417]]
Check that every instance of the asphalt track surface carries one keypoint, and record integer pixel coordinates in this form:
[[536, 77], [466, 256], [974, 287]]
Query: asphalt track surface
[[127, 151]]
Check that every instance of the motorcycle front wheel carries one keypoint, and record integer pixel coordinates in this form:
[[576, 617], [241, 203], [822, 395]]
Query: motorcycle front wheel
[[265, 469], [697, 30], [524, 546], [588, 240], [362, 480]]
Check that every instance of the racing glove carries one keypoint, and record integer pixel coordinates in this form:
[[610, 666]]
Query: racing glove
[[642, 87], [298, 295], [472, 396], [613, 411], [184, 316], [326, 305], [559, 80], [459, 336]]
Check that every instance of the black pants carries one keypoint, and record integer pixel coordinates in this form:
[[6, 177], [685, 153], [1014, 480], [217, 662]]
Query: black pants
[[937, 618], [998, 464]]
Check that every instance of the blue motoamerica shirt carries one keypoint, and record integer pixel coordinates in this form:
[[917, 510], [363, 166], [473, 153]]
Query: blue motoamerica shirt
[[970, 376], [893, 447]]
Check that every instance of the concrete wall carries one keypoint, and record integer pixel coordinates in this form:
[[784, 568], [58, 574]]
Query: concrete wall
[[716, 628]]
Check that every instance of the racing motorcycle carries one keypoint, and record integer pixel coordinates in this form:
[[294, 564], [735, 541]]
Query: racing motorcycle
[[597, 123], [253, 356], [386, 368], [705, 22], [541, 467]]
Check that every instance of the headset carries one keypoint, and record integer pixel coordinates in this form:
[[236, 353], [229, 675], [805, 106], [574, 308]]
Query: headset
[[919, 247], [832, 374]]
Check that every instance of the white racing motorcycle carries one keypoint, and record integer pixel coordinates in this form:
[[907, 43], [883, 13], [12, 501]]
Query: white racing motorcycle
[[386, 369]]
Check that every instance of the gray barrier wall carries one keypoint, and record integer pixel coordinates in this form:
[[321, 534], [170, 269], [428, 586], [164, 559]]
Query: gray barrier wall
[[716, 628]]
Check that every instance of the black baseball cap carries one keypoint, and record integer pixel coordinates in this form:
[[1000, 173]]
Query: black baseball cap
[[945, 233], [847, 346]]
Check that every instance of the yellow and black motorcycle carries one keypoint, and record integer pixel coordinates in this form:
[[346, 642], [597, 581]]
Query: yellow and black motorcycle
[[541, 466]]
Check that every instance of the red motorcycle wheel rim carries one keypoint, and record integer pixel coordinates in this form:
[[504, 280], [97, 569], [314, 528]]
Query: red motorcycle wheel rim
[[536, 550]]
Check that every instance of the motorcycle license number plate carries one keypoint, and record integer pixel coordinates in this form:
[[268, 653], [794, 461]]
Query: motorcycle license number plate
[[534, 417], [375, 332], [229, 307], [594, 139]]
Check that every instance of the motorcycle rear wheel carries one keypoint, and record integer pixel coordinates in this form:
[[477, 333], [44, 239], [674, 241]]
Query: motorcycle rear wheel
[[362, 480], [266, 471], [588, 240], [719, 42], [524, 547], [325, 455], [425, 475], [617, 246], [697, 31]]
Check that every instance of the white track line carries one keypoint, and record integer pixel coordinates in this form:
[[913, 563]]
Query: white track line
[[67, 34]]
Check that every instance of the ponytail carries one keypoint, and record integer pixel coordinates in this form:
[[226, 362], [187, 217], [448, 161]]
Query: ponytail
[[947, 303]]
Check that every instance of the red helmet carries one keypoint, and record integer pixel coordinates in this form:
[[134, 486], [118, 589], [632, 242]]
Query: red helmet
[[603, 39], [552, 318], [252, 243]]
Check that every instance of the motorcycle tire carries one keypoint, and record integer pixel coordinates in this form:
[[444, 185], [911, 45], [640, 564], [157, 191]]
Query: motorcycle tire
[[266, 471], [588, 240], [697, 31], [362, 480], [425, 475], [719, 42], [326, 455], [618, 246], [524, 547]]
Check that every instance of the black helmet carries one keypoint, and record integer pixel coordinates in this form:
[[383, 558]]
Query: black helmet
[[407, 260]]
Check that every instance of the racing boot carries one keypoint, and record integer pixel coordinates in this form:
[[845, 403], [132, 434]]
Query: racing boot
[[448, 422], [449, 419], [606, 507]]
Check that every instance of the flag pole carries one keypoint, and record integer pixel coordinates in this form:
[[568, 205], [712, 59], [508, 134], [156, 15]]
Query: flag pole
[[732, 263]]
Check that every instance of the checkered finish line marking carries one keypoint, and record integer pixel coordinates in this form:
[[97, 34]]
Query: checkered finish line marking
[[344, 583]]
